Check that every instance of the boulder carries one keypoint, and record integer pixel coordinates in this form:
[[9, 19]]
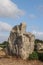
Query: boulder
[[39, 46]]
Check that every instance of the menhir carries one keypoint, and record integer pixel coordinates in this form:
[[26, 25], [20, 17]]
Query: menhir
[[21, 43]]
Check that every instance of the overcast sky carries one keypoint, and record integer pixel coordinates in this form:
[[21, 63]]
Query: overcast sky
[[13, 12]]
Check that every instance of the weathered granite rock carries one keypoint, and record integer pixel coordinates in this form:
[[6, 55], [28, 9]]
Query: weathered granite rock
[[21, 43], [39, 46]]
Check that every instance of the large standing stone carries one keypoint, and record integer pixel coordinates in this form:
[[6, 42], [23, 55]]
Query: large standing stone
[[21, 43]]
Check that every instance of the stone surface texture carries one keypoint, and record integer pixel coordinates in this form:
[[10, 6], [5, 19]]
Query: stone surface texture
[[39, 46], [21, 43]]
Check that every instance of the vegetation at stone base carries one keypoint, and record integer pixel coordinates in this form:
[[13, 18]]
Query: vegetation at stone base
[[4, 44], [36, 56], [40, 55], [33, 56]]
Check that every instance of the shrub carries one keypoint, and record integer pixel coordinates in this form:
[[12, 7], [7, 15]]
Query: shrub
[[40, 56], [33, 56]]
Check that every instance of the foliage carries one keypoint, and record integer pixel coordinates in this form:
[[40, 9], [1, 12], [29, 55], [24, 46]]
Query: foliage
[[4, 44], [33, 56], [40, 56], [38, 41]]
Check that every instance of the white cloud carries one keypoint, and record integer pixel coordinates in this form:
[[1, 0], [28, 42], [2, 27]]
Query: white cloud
[[5, 26], [32, 16], [38, 35], [9, 9]]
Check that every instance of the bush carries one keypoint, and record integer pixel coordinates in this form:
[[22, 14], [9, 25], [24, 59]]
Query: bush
[[40, 56], [33, 56]]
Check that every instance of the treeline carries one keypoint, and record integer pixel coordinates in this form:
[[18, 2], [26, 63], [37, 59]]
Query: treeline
[[38, 41], [3, 44]]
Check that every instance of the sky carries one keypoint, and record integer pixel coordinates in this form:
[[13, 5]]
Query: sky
[[13, 12]]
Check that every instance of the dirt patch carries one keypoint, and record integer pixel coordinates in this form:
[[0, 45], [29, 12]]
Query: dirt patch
[[16, 61]]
